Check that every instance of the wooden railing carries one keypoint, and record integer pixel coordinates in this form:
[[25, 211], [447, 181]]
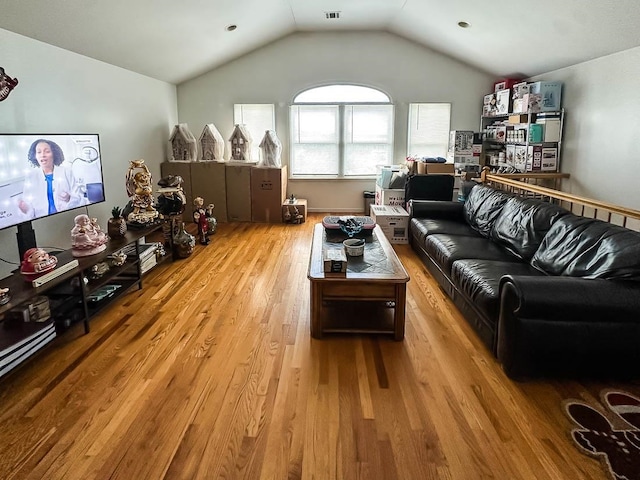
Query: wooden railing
[[520, 184]]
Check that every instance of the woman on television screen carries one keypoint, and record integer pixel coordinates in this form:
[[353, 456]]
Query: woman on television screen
[[50, 187]]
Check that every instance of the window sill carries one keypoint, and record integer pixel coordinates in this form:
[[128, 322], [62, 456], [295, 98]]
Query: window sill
[[330, 177]]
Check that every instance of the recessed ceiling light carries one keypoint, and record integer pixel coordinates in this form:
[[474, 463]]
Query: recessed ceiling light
[[231, 28], [464, 24]]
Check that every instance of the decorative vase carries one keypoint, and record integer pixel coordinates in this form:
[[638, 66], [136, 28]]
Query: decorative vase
[[183, 242], [116, 226]]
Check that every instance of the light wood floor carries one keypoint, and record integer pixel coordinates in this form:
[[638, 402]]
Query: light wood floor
[[209, 372]]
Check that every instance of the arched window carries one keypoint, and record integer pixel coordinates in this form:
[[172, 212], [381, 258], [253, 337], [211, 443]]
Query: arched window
[[340, 131]]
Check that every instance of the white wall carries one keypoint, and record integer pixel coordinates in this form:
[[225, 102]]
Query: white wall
[[602, 120], [60, 91], [279, 71]]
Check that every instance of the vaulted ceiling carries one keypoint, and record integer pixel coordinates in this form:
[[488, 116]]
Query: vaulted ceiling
[[178, 40]]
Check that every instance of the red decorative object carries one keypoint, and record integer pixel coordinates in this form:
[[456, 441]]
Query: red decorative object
[[6, 84], [36, 262]]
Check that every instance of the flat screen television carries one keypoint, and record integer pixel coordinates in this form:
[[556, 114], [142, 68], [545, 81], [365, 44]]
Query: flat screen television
[[45, 174]]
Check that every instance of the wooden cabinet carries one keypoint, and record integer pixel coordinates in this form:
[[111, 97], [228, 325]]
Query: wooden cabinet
[[74, 296]]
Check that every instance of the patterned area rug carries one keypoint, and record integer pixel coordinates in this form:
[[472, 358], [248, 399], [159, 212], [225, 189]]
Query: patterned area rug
[[612, 436]]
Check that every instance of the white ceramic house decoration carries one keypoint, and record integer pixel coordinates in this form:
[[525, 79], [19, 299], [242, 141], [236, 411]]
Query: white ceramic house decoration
[[270, 149], [240, 144], [183, 145], [211, 144]]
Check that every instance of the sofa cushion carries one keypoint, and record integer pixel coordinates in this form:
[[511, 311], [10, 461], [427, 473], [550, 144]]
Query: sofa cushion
[[523, 223], [479, 280], [482, 207], [421, 227], [584, 247], [446, 249]]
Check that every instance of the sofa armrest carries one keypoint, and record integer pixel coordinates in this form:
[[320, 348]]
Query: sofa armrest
[[571, 298], [564, 325], [436, 209]]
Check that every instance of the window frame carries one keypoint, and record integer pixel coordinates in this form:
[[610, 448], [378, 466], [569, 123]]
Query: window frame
[[341, 131], [410, 129]]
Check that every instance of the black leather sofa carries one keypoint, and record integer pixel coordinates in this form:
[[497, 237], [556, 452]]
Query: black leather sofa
[[548, 292]]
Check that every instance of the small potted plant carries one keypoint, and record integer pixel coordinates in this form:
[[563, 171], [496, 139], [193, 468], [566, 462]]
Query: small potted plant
[[116, 226]]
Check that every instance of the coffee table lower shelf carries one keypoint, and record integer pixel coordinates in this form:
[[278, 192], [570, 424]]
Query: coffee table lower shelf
[[358, 317], [366, 313]]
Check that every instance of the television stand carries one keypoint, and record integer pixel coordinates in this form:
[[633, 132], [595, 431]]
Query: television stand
[[76, 294]]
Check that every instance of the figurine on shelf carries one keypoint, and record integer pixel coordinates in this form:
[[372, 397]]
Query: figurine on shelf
[[36, 262], [4, 296], [293, 215], [138, 182], [212, 222], [292, 199], [86, 237], [172, 199], [200, 218]]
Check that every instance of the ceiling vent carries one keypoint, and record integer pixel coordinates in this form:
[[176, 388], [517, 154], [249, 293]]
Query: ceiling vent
[[332, 15]]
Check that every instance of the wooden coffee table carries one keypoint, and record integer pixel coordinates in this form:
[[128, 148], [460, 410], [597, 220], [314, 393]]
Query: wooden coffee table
[[375, 282]]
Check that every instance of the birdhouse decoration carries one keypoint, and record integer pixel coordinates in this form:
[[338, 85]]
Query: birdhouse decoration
[[240, 144], [211, 144], [183, 145], [270, 150]]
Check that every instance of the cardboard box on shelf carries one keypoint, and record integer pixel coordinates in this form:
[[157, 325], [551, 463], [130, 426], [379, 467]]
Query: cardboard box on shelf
[[268, 191], [439, 168], [534, 158], [461, 161], [389, 196], [517, 119], [520, 157], [541, 159], [461, 142], [393, 221], [551, 129], [503, 101], [510, 155], [550, 95], [549, 159]]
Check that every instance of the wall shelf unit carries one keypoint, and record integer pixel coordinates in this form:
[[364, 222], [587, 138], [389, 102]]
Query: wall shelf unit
[[523, 142]]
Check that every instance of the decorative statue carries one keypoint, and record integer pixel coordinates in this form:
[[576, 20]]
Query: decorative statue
[[86, 237], [36, 262], [183, 242], [6, 84], [292, 214], [138, 181], [212, 222], [4, 296], [200, 218], [172, 199]]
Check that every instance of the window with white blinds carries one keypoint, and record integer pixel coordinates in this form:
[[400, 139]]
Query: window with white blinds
[[341, 138], [257, 118], [429, 125]]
